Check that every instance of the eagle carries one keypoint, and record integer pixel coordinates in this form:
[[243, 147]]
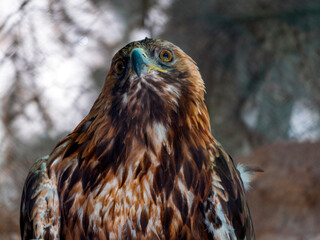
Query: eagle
[[142, 164]]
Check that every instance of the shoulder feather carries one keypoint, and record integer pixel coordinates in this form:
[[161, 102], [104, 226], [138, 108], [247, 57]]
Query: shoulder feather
[[225, 212], [39, 212]]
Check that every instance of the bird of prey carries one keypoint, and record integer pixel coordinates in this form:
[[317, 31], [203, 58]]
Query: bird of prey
[[142, 164]]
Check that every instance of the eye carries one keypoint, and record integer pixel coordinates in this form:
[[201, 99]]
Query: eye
[[119, 67], [165, 55]]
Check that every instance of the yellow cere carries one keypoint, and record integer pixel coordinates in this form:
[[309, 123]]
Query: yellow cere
[[152, 67]]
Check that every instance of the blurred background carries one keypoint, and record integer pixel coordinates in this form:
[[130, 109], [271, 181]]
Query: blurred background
[[260, 60]]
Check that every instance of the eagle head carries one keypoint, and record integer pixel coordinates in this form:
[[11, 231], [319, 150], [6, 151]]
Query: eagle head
[[152, 79]]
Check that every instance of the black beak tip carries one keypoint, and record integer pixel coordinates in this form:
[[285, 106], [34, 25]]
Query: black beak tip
[[137, 70]]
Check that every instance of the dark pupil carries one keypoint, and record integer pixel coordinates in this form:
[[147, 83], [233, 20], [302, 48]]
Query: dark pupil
[[165, 55], [120, 67]]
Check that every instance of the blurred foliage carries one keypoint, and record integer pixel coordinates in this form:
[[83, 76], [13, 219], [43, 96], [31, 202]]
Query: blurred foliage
[[261, 63]]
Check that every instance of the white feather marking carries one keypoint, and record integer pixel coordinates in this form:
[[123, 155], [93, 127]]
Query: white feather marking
[[110, 185], [188, 194], [95, 214], [172, 89], [131, 226], [112, 235], [215, 178], [56, 161], [225, 231], [138, 215], [129, 194], [246, 175], [146, 188], [159, 132], [125, 99], [80, 214], [130, 172], [107, 209], [151, 227]]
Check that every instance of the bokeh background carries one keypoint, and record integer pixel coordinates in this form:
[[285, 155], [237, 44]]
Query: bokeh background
[[260, 60]]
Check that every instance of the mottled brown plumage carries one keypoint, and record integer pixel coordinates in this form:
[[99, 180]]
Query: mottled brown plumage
[[142, 164]]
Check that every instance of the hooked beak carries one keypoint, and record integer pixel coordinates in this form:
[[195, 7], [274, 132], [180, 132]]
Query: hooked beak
[[140, 62]]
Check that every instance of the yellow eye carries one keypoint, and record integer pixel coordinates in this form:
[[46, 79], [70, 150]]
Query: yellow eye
[[165, 55], [119, 67]]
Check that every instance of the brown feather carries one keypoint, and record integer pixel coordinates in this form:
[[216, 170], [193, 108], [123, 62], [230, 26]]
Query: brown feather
[[143, 163]]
